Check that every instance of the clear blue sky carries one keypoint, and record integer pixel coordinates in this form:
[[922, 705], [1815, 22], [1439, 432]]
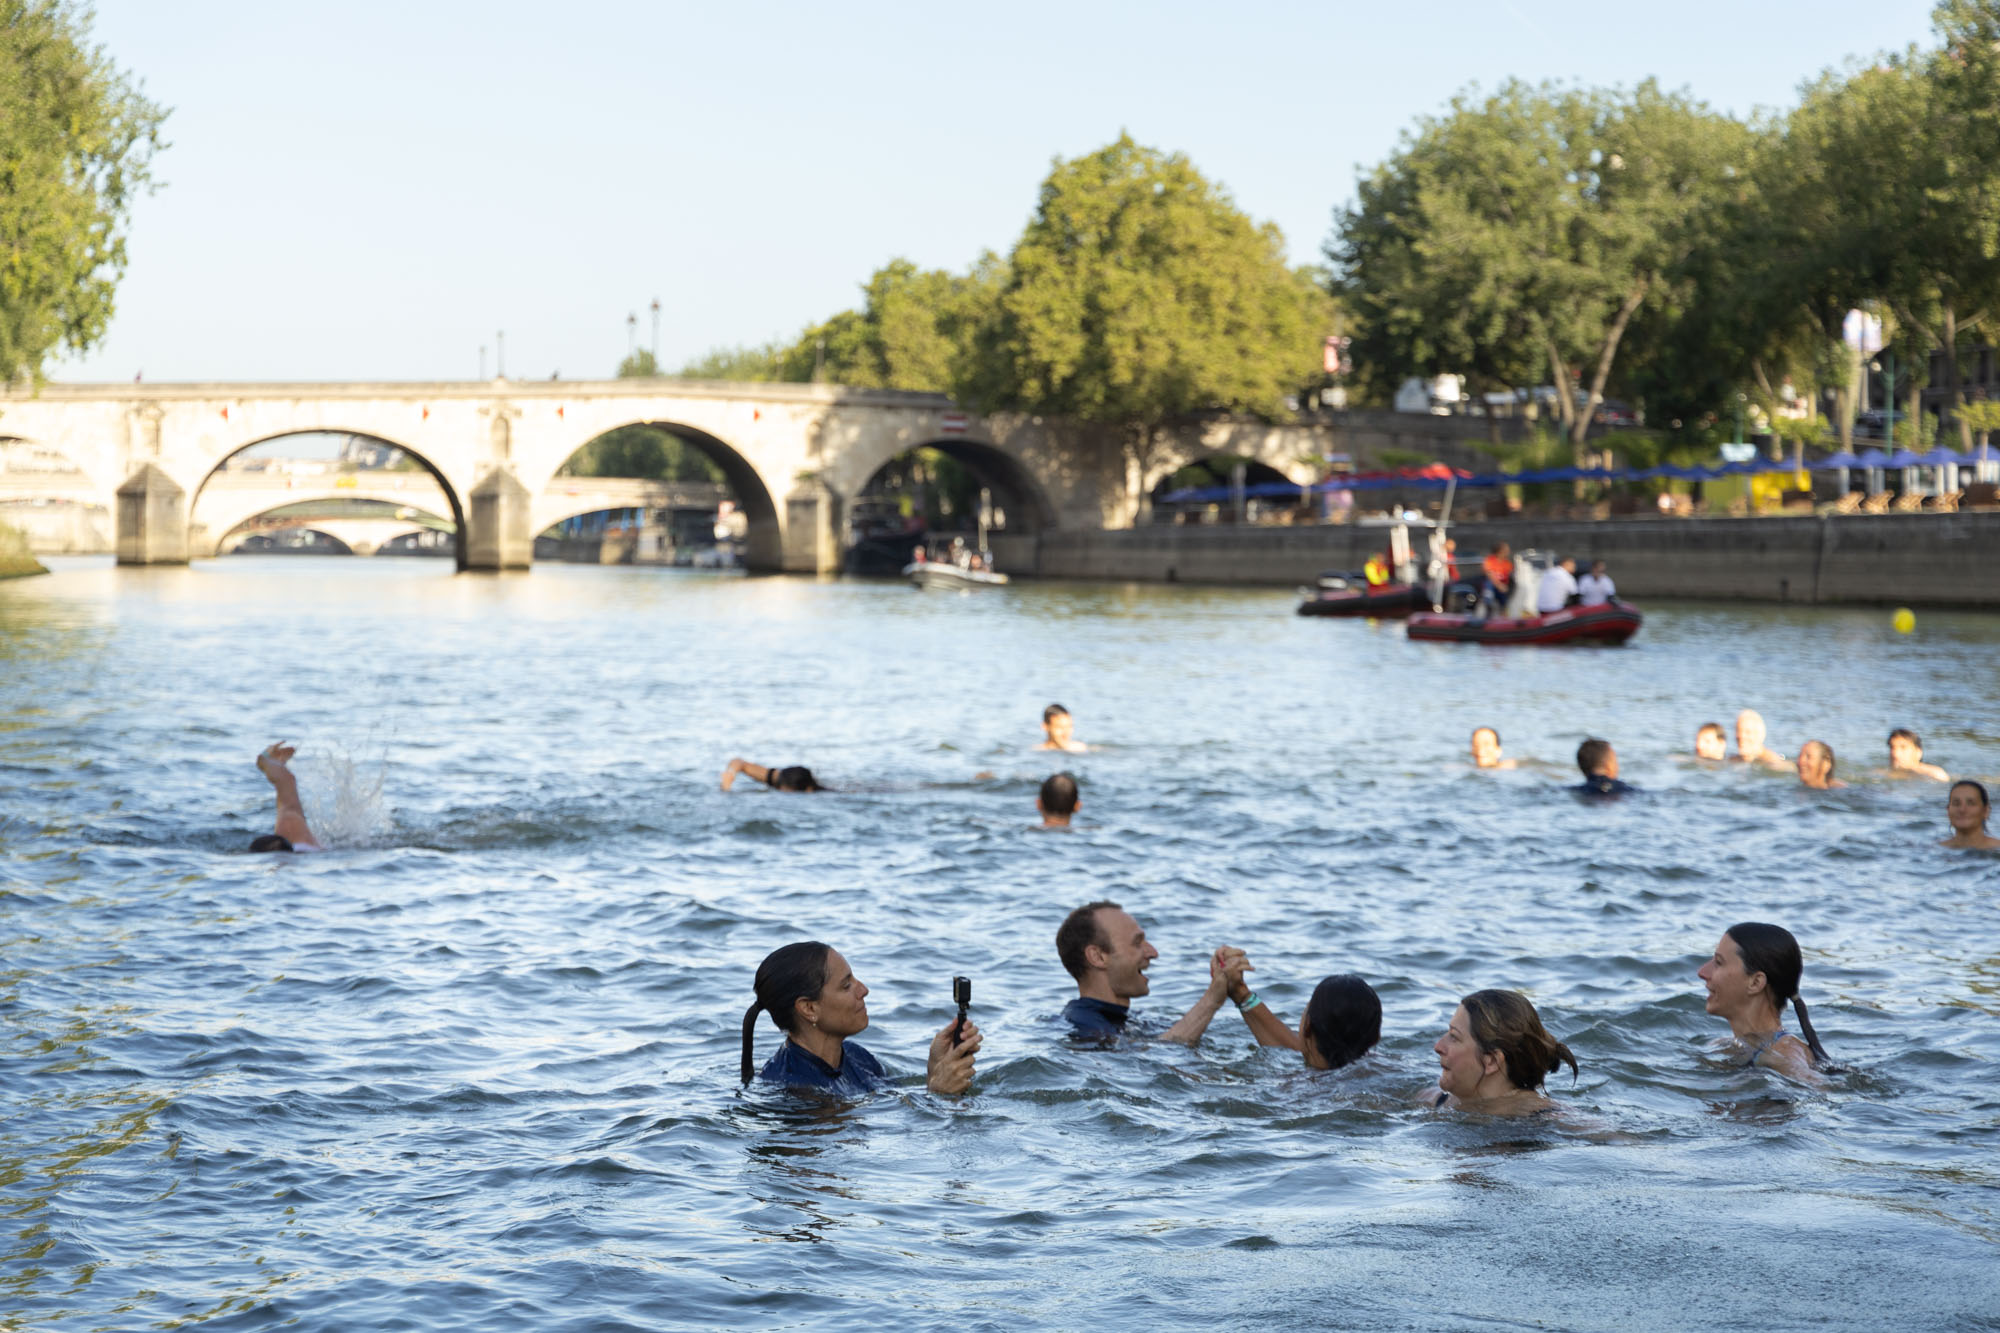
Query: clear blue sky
[[370, 190]]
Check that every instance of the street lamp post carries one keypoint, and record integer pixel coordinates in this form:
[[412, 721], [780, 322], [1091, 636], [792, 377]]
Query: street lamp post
[[656, 335]]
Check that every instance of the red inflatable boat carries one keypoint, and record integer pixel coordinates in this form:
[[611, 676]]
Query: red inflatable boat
[[1613, 622]]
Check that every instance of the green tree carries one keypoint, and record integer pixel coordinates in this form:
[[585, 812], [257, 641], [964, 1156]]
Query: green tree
[[1526, 233], [1140, 293], [747, 365], [915, 330], [76, 145]]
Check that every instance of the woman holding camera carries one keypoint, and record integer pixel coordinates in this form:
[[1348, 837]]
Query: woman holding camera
[[816, 1000]]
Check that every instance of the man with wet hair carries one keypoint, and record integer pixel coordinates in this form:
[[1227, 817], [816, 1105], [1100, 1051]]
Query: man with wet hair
[[1058, 800], [1711, 742], [1106, 951], [1486, 749], [794, 778], [1906, 755], [293, 834], [1750, 747], [1599, 763], [1059, 728]]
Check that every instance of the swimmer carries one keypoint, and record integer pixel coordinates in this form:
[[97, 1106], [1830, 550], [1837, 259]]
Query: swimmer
[[816, 1000], [1906, 755], [1057, 801], [1755, 969], [1342, 1021], [1059, 729], [1968, 809], [777, 779], [1710, 743], [1599, 763], [1486, 749], [1495, 1056], [1750, 747], [1106, 951], [292, 833], [1816, 766]]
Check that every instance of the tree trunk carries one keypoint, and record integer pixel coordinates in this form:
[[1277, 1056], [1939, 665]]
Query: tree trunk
[[1605, 356], [1565, 400], [1951, 378]]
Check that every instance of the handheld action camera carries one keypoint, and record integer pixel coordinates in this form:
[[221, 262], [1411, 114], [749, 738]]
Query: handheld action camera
[[961, 995]]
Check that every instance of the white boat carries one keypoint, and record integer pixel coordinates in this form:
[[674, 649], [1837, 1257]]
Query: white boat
[[944, 574]]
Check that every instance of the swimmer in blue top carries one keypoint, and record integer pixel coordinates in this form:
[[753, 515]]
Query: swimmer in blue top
[[1755, 970], [293, 834], [814, 997], [1106, 951]]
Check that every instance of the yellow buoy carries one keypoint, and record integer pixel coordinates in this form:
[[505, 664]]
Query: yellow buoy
[[1904, 620]]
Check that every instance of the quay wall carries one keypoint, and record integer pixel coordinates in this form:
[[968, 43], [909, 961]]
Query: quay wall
[[1899, 559]]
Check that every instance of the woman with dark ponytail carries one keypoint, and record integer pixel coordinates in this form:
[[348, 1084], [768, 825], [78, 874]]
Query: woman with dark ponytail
[[1342, 1021], [1753, 974], [818, 1003], [1495, 1056]]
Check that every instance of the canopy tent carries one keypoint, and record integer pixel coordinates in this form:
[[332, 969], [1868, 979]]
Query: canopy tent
[[1831, 461], [1437, 476]]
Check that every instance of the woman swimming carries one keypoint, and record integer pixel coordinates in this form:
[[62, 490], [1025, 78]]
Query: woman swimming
[[1968, 808], [816, 1000], [794, 778], [1755, 970], [1342, 1021], [1495, 1056]]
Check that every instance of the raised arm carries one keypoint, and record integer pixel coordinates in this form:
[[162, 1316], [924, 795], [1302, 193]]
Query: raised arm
[[1265, 1026], [1195, 1021], [291, 814], [757, 772]]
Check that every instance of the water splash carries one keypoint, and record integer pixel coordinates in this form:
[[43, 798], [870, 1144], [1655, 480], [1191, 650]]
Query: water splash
[[342, 795]]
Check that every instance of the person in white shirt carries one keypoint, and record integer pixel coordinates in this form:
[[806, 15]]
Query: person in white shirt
[[1596, 587], [1558, 586]]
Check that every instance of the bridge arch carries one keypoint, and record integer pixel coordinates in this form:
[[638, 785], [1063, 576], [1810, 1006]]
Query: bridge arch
[[339, 546], [1016, 492], [374, 488], [359, 528], [763, 537]]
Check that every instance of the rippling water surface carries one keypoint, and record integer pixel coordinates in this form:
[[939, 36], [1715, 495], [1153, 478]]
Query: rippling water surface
[[475, 1067]]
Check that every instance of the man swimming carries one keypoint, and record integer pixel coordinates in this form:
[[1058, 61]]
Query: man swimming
[[1106, 951], [1057, 800], [1599, 763], [794, 778], [1816, 766], [293, 835], [1059, 728], [1486, 749], [1710, 743], [1750, 747], [1906, 755]]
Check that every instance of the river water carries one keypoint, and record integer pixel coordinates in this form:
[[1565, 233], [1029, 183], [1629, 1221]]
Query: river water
[[475, 1068]]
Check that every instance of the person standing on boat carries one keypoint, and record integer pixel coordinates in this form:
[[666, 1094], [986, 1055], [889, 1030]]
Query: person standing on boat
[[1599, 763], [1499, 570], [1596, 587], [1105, 949], [1057, 800], [1376, 571], [1557, 586], [1058, 729]]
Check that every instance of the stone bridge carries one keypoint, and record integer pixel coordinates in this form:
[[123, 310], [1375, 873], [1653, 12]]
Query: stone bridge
[[794, 454]]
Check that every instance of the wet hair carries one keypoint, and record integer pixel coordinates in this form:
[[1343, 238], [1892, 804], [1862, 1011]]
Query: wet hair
[[1477, 730], [1080, 930], [1905, 734], [1821, 745], [1984, 802], [271, 842], [786, 976], [1059, 794], [1590, 755], [1505, 1021], [1052, 712], [1772, 950], [1715, 727], [794, 778], [1344, 1017]]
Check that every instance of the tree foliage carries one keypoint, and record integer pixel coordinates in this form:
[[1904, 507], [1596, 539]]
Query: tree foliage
[[76, 145], [1138, 293]]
